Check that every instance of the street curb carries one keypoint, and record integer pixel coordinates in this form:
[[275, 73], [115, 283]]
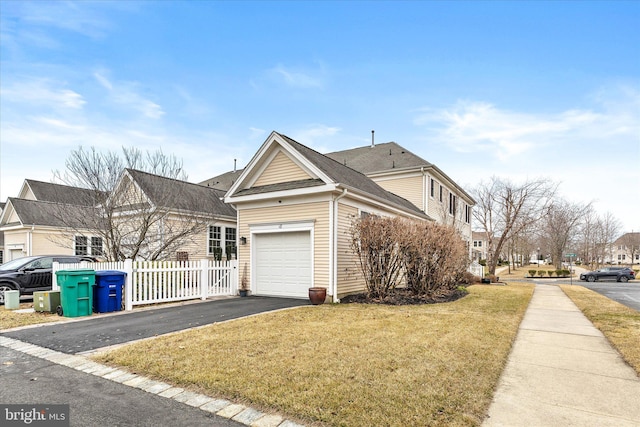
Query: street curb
[[237, 412]]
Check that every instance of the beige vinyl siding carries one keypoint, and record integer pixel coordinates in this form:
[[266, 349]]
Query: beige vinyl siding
[[27, 194], [318, 212], [41, 242], [15, 238], [129, 194], [281, 169], [13, 218], [45, 243], [410, 188], [350, 279]]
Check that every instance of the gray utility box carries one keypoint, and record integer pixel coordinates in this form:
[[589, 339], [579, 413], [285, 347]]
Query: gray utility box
[[46, 301]]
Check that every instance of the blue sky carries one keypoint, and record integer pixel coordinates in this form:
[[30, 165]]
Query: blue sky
[[519, 90]]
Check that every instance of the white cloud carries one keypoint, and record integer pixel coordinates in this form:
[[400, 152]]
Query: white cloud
[[126, 94], [296, 78], [473, 126], [42, 92]]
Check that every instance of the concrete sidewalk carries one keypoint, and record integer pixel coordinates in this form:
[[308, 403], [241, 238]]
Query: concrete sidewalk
[[562, 371]]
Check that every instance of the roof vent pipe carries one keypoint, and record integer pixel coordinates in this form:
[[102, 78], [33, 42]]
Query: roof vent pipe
[[234, 165], [372, 140]]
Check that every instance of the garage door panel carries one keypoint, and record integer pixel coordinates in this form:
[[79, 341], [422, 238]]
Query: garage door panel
[[283, 264]]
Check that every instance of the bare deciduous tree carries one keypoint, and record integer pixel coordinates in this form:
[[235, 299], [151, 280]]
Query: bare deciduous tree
[[504, 209], [560, 226], [148, 224]]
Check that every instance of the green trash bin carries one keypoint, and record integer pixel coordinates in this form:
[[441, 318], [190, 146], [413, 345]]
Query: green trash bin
[[76, 292]]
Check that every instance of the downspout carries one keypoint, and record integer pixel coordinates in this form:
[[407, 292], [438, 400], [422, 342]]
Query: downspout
[[334, 245], [425, 193], [30, 241]]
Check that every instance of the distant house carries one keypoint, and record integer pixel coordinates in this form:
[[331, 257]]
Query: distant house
[[295, 208], [626, 249], [480, 246], [32, 225]]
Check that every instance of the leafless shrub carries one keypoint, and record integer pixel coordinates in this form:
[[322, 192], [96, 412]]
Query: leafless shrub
[[434, 257], [375, 242], [430, 257]]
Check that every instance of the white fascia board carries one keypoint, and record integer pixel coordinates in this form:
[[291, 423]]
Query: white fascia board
[[304, 163], [259, 161], [249, 168], [287, 201], [281, 194], [13, 227], [5, 212]]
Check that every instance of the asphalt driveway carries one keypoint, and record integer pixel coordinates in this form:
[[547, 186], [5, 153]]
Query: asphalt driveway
[[99, 331]]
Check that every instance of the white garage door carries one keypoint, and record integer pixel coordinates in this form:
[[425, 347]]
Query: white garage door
[[283, 264]]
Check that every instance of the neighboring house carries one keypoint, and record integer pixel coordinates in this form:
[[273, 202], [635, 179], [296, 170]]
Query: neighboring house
[[184, 220], [31, 222], [626, 249], [480, 246], [295, 208], [398, 170]]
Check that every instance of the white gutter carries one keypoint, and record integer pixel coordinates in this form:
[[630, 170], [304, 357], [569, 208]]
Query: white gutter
[[333, 242]]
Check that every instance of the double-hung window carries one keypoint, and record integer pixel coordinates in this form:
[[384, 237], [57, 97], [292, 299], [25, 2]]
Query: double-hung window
[[214, 239], [81, 245]]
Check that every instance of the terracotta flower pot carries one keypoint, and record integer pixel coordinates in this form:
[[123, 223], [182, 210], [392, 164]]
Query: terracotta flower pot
[[317, 295]]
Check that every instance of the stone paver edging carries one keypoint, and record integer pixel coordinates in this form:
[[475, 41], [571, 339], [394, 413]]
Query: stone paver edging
[[221, 407]]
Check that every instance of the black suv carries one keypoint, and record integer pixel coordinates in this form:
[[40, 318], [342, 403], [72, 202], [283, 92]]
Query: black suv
[[620, 274], [32, 273]]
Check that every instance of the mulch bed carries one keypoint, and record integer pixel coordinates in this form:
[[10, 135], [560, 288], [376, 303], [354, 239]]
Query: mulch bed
[[405, 297]]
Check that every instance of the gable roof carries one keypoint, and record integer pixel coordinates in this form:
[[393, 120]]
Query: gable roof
[[387, 157], [58, 193], [224, 181], [337, 173], [36, 212], [378, 158], [627, 238], [188, 196]]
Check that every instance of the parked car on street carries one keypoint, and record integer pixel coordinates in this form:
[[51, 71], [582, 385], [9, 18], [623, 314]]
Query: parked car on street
[[619, 274], [32, 273]]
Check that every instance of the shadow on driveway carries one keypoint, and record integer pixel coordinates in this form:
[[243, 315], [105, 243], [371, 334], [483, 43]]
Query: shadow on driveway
[[102, 331]]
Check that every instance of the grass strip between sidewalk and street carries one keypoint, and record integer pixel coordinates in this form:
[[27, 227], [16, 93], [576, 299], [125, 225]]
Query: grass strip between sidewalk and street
[[348, 364], [619, 323]]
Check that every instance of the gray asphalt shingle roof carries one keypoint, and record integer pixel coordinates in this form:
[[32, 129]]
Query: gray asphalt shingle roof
[[49, 214], [58, 193], [181, 195], [378, 158], [224, 181], [349, 177]]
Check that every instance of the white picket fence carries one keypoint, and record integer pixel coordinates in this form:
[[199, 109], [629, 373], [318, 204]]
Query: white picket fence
[[476, 269], [153, 282]]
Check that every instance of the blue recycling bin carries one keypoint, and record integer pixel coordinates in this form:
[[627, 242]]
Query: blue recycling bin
[[107, 293]]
